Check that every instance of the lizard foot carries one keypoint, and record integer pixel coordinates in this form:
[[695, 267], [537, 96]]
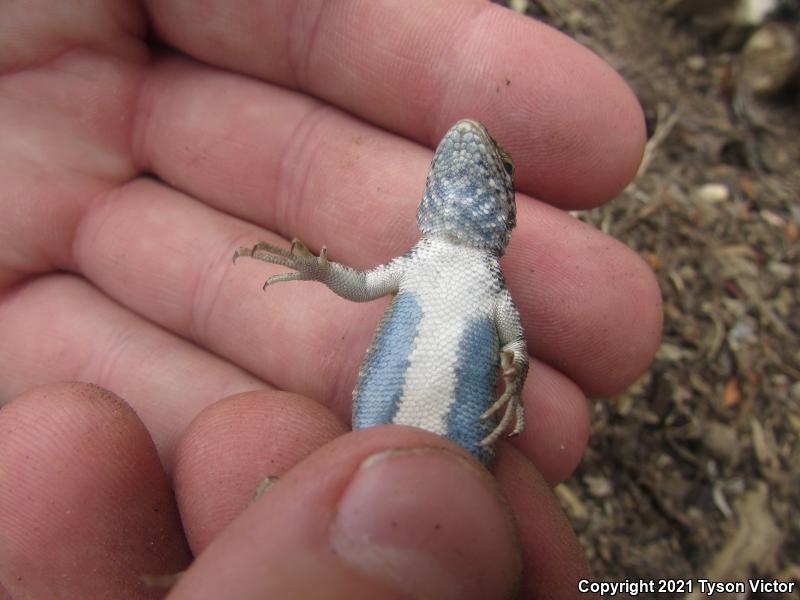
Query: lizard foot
[[510, 398], [307, 266]]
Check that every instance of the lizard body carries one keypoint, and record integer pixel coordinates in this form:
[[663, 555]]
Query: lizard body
[[434, 358]]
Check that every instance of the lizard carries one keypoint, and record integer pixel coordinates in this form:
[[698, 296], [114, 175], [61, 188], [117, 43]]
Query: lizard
[[452, 325]]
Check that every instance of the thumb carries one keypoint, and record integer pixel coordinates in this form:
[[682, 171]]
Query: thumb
[[355, 520]]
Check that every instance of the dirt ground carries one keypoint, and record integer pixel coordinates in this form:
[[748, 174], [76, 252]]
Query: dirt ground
[[694, 472]]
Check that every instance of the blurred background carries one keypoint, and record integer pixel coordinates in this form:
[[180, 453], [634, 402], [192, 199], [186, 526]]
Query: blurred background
[[694, 472]]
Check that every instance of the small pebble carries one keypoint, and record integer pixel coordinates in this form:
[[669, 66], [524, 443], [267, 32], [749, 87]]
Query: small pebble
[[599, 486], [696, 62], [770, 59], [752, 13], [781, 270], [722, 441], [713, 192]]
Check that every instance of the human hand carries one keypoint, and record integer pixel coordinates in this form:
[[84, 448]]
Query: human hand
[[113, 277]]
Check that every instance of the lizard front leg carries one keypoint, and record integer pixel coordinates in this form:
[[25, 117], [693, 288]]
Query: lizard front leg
[[345, 281]]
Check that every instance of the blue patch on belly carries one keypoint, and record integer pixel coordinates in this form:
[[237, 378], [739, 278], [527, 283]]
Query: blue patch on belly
[[382, 374], [476, 380]]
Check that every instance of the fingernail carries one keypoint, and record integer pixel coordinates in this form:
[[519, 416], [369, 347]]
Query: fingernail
[[429, 524]]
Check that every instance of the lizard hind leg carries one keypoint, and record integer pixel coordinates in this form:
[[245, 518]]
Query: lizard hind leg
[[510, 399]]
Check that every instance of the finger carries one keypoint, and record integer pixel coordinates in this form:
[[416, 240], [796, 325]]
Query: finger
[[421, 523], [60, 328], [85, 507], [552, 560], [557, 423], [590, 306], [233, 445], [573, 127]]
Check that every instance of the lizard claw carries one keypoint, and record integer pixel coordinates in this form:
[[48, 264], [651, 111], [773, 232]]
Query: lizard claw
[[510, 399], [242, 252], [306, 265]]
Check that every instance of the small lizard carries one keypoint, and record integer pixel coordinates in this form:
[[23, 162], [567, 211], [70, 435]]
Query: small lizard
[[434, 358]]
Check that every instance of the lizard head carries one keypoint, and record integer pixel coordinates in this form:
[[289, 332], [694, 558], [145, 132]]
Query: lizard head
[[469, 194]]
